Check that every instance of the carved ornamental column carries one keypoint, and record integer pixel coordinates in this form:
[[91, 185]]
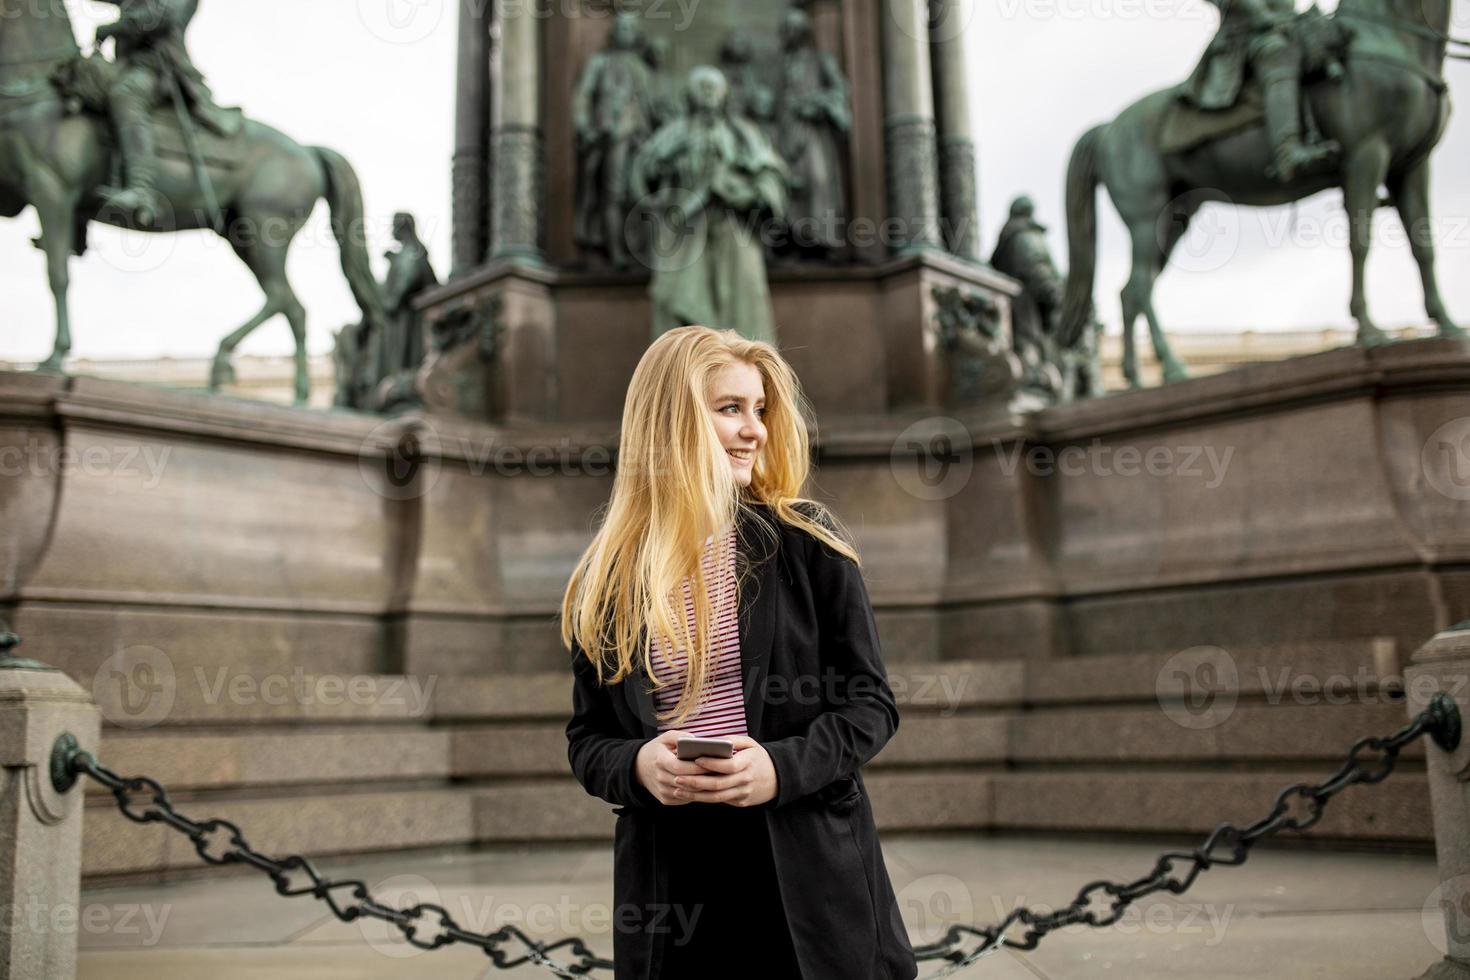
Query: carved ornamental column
[[959, 208], [909, 130], [518, 205], [471, 139]]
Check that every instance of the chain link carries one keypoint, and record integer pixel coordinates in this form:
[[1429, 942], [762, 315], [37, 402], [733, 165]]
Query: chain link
[[425, 926], [1099, 903], [1370, 760]]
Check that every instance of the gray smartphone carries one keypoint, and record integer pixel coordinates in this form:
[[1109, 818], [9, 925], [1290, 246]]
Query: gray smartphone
[[692, 748]]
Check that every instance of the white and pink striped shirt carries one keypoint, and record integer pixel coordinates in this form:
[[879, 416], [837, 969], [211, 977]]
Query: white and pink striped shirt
[[720, 712]]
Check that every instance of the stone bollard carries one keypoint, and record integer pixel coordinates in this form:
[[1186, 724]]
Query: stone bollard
[[1443, 665], [40, 827]]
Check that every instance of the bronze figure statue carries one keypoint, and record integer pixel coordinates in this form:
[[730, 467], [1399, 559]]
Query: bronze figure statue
[[813, 120], [706, 180], [613, 113], [1258, 37], [55, 105], [1385, 104], [153, 67]]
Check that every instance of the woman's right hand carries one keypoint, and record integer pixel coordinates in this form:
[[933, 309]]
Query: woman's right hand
[[657, 767]]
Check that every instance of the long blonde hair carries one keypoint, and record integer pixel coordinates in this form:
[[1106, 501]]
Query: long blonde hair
[[672, 489]]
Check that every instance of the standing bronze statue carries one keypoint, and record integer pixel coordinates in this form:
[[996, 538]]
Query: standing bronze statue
[[1021, 252], [1383, 101], [707, 179], [813, 120], [613, 113], [54, 104]]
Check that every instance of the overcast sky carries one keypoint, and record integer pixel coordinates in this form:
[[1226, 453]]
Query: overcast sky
[[374, 79]]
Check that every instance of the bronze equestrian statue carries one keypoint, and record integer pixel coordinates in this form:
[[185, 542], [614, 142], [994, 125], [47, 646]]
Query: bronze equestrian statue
[[1376, 92], [68, 121]]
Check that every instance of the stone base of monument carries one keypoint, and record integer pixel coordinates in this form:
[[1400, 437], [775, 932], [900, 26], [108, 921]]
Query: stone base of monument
[[202, 564]]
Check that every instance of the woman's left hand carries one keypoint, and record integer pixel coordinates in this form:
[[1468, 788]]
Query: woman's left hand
[[748, 778]]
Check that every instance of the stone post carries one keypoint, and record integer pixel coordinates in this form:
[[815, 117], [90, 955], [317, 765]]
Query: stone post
[[908, 125], [1443, 665], [959, 209], [516, 152], [471, 138], [40, 827]]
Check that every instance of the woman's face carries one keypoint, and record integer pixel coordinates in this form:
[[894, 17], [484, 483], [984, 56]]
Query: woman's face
[[737, 402]]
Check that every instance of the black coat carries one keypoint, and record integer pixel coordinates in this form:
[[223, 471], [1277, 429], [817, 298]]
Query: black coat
[[804, 616]]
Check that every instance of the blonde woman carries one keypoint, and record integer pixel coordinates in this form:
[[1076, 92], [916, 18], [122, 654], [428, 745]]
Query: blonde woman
[[714, 601]]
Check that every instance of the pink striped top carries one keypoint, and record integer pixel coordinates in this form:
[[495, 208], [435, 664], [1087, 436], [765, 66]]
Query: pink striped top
[[720, 712]]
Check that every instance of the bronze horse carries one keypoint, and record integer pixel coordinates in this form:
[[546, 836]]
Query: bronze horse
[[1388, 112], [55, 160]]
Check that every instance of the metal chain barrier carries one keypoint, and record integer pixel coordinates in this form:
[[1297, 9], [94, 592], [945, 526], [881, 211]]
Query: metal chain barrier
[[1228, 845], [426, 926], [1370, 760]]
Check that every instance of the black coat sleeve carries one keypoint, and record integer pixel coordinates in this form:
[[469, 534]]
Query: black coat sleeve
[[602, 756], [863, 714]]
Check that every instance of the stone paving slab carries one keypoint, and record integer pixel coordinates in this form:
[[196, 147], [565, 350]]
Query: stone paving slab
[[1284, 914]]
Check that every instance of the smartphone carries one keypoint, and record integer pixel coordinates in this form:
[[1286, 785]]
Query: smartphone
[[693, 748]]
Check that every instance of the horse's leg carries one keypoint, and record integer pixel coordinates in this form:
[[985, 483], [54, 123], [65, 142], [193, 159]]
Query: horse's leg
[[1138, 295], [1171, 367], [58, 230], [1411, 199], [266, 257], [1130, 352], [1366, 167]]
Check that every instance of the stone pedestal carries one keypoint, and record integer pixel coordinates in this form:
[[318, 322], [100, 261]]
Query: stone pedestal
[[40, 829], [1443, 666]]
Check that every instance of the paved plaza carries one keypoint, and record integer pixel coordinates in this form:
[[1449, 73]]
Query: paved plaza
[[1284, 914]]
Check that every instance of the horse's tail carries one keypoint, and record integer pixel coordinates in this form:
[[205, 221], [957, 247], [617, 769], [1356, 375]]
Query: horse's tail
[[344, 198], [1082, 178]]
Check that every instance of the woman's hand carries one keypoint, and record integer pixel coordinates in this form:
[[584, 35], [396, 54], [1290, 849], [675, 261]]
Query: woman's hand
[[657, 767], [746, 779]]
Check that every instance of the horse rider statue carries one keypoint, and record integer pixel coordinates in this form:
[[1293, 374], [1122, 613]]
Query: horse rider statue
[[153, 66], [1260, 35]]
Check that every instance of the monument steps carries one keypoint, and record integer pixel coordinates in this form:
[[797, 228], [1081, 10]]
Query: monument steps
[[1082, 745]]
